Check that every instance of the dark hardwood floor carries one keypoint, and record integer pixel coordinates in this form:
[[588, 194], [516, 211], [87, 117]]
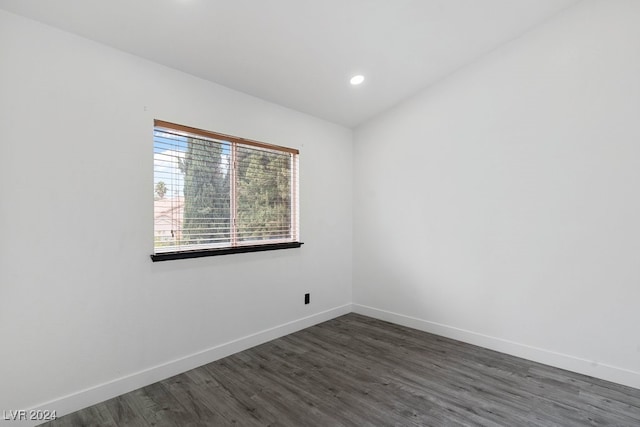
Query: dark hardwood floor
[[359, 371]]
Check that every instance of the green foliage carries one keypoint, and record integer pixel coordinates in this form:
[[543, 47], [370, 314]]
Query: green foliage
[[263, 195], [161, 189], [262, 190], [206, 193]]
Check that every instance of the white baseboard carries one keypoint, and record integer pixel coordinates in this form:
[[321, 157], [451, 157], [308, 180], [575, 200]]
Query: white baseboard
[[559, 360], [111, 389]]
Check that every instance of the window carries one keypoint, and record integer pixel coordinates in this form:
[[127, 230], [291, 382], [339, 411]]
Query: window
[[218, 194]]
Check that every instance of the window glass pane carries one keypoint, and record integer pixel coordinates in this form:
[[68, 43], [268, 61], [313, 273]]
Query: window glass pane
[[207, 192], [168, 154], [263, 195]]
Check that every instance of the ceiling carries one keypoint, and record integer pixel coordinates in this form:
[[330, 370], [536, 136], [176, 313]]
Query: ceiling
[[301, 53]]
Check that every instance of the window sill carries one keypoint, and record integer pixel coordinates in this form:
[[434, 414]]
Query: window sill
[[168, 256]]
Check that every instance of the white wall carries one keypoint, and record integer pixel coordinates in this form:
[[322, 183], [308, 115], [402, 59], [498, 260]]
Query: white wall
[[499, 207], [502, 206], [82, 303]]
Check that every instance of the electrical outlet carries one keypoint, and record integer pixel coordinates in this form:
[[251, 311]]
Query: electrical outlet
[[307, 298]]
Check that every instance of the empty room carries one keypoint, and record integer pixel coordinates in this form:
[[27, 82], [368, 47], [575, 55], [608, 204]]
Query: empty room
[[329, 213]]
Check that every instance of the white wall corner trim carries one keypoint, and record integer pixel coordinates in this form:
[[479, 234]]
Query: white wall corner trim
[[111, 389], [558, 360]]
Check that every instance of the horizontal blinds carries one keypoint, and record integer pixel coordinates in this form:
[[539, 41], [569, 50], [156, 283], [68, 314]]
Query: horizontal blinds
[[218, 191]]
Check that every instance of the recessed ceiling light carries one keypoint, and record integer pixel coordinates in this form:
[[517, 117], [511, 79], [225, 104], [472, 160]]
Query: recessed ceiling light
[[356, 80]]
